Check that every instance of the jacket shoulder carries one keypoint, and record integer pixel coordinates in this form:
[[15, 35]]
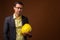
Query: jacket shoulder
[[8, 17], [24, 17]]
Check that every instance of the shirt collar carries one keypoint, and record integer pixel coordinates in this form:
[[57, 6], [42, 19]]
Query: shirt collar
[[14, 17]]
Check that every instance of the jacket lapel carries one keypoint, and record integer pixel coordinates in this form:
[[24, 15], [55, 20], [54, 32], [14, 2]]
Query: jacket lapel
[[23, 20]]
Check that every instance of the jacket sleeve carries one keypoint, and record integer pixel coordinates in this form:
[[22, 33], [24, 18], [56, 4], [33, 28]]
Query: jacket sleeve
[[6, 29]]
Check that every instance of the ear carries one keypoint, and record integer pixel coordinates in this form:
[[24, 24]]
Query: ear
[[14, 8]]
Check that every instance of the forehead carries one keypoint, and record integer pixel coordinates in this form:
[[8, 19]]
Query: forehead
[[19, 5]]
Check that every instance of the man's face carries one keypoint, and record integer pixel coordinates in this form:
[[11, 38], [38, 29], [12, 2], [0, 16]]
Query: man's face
[[18, 9]]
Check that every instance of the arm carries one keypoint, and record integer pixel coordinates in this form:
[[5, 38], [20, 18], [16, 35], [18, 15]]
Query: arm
[[6, 30]]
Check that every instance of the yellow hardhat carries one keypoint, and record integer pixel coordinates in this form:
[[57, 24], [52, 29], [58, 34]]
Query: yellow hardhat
[[26, 28]]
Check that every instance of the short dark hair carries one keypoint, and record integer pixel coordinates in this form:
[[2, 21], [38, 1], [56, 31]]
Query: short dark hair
[[18, 2]]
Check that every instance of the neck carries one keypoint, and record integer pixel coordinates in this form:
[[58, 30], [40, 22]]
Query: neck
[[17, 15]]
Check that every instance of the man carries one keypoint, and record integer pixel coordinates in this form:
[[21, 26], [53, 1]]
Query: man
[[14, 23]]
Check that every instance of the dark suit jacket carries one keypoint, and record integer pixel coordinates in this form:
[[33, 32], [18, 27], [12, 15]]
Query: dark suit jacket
[[9, 28]]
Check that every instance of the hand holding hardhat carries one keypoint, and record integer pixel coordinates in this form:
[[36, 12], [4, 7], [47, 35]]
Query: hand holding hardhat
[[26, 29]]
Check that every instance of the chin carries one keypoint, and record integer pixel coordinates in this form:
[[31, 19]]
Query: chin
[[19, 13]]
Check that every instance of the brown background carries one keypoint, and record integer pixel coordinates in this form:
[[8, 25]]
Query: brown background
[[44, 17]]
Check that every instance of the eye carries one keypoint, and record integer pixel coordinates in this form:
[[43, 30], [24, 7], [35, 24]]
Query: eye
[[18, 7]]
